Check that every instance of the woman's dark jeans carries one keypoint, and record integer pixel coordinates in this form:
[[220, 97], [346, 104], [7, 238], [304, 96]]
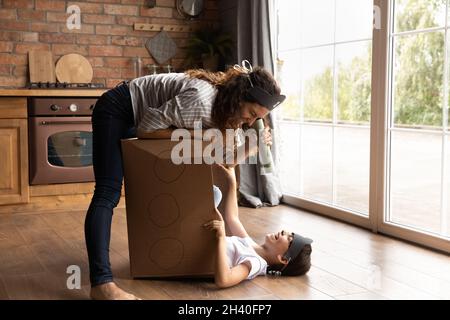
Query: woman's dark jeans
[[112, 120]]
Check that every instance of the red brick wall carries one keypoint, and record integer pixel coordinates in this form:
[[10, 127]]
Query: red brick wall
[[106, 37]]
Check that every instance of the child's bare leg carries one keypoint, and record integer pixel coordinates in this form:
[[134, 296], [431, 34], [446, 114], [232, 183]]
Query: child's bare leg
[[225, 179]]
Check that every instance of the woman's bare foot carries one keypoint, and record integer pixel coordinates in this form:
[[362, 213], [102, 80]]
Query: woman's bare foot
[[110, 291]]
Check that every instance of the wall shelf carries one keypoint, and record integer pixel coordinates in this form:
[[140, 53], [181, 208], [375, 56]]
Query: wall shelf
[[161, 27]]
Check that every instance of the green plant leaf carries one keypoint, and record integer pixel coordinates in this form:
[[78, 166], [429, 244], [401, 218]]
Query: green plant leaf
[[208, 42]]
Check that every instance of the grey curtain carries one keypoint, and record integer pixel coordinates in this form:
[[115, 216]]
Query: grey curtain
[[253, 42]]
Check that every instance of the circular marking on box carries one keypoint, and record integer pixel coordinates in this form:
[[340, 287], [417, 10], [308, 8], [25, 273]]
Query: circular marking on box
[[165, 170], [166, 253], [163, 210]]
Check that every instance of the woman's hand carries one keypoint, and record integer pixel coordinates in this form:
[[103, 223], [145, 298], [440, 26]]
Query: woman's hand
[[267, 136], [217, 226]]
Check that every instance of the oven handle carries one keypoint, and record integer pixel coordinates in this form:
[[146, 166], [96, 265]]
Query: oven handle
[[47, 123]]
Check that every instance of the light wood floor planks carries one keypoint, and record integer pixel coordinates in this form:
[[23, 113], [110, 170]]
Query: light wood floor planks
[[348, 262]]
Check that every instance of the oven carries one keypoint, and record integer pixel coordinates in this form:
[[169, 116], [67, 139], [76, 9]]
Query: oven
[[60, 140]]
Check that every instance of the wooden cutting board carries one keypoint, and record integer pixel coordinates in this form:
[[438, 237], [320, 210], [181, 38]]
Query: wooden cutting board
[[41, 66], [74, 68]]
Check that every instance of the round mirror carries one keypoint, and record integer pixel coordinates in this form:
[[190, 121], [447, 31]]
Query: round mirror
[[190, 8]]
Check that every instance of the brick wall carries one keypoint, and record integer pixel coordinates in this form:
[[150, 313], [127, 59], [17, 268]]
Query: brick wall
[[107, 37]]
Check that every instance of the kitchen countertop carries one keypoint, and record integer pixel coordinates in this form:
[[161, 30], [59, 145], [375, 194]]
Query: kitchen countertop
[[52, 92]]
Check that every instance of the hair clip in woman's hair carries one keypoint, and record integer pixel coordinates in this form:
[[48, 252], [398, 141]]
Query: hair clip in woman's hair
[[275, 273], [245, 67]]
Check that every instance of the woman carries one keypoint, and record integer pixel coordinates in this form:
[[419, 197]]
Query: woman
[[152, 106]]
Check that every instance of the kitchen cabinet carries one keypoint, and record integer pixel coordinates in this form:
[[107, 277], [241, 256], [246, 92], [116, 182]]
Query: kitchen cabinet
[[13, 151]]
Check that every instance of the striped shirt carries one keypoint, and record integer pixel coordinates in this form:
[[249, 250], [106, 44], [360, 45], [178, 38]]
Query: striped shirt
[[171, 99]]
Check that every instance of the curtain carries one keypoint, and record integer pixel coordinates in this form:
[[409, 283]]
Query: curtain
[[254, 43]]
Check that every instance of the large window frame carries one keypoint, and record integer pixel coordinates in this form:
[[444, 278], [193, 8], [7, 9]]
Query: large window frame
[[381, 98]]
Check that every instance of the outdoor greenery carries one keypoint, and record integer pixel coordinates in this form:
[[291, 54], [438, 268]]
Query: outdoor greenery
[[418, 74]]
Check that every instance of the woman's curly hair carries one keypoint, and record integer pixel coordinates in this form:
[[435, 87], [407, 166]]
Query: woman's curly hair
[[232, 87]]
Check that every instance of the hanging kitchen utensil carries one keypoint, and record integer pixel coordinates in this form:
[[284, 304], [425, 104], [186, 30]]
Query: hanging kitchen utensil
[[41, 66], [74, 68], [190, 9], [161, 47]]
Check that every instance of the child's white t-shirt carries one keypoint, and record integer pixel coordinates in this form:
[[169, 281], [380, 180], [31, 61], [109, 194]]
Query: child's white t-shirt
[[240, 250]]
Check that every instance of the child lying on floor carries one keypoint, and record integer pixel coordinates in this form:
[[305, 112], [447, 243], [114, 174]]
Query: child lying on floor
[[240, 258]]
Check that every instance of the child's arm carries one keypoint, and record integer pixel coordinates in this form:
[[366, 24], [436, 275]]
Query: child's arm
[[224, 276], [225, 179]]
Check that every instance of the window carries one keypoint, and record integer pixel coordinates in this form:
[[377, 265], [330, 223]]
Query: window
[[324, 66], [365, 128], [418, 119]]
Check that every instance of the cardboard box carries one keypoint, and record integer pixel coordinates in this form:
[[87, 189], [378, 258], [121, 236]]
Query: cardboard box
[[166, 206]]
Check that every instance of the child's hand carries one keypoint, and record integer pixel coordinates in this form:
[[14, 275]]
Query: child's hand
[[217, 226], [227, 170], [227, 173]]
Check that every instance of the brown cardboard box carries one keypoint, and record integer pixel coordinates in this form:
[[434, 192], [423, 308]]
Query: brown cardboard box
[[166, 206]]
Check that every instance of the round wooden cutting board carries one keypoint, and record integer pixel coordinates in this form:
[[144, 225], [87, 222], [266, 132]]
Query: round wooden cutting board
[[73, 68]]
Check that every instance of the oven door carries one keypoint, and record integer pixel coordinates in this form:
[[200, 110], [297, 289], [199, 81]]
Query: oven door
[[60, 150]]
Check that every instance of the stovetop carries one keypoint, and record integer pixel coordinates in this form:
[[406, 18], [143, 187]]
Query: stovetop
[[64, 85]]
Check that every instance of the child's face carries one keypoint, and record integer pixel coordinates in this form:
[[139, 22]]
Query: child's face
[[277, 244]]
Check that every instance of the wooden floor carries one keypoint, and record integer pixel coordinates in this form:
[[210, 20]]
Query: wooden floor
[[348, 262]]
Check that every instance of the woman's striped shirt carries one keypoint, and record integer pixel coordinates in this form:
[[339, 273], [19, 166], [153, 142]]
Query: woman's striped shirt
[[171, 99]]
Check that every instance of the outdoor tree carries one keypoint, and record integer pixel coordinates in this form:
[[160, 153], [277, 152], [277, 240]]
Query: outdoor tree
[[418, 75]]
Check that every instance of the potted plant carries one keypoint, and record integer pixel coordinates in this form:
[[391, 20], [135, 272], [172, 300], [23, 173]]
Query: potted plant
[[207, 47]]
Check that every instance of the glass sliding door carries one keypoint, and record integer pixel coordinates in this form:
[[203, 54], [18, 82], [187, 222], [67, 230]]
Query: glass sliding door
[[324, 61], [418, 132], [365, 130]]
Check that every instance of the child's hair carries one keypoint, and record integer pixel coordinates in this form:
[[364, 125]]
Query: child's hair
[[297, 266]]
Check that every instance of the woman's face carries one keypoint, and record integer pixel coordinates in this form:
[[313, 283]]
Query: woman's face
[[250, 111], [277, 244]]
